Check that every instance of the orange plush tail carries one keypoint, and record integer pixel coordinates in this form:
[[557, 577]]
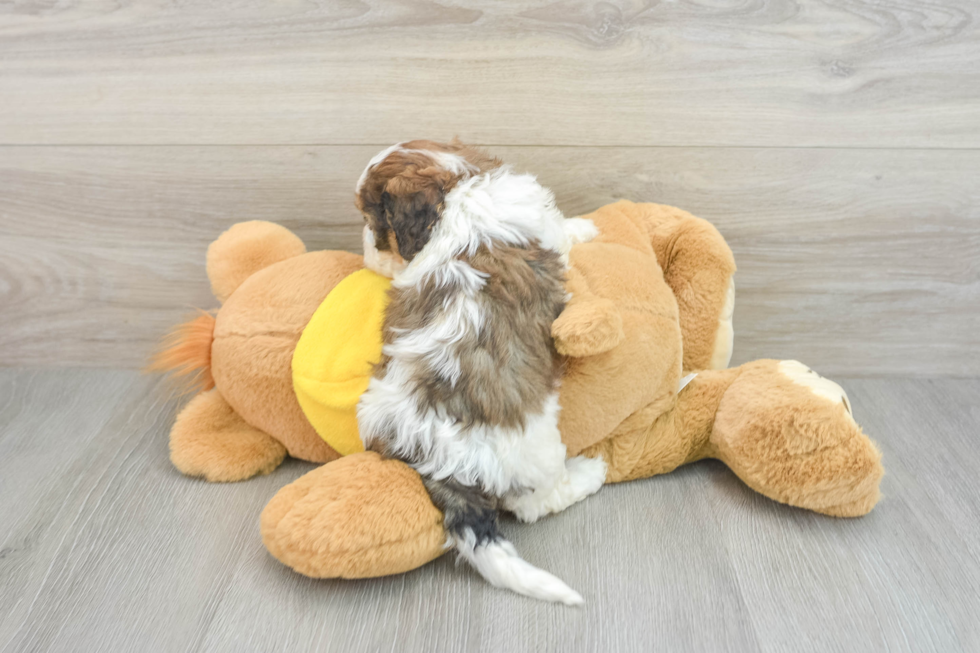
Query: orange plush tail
[[185, 353]]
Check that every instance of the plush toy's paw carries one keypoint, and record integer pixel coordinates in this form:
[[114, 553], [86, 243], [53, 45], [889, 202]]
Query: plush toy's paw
[[209, 439], [357, 517], [587, 327]]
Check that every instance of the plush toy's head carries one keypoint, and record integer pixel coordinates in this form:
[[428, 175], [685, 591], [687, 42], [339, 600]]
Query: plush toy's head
[[402, 194]]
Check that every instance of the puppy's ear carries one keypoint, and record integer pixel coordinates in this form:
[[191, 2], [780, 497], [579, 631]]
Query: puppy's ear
[[412, 204], [368, 202]]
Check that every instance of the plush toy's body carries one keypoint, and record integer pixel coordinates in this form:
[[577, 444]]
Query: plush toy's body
[[651, 300]]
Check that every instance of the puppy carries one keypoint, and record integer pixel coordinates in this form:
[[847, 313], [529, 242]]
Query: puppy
[[466, 391]]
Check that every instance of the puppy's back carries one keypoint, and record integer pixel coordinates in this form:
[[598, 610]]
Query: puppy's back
[[497, 364]]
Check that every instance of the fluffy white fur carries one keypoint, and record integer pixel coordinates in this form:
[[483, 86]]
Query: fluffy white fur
[[498, 460], [499, 206], [581, 477], [501, 565], [525, 466]]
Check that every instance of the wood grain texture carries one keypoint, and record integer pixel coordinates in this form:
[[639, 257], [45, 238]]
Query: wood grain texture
[[562, 72], [105, 547], [857, 262]]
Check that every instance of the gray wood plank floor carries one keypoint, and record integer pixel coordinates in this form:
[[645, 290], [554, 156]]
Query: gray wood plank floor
[[105, 547]]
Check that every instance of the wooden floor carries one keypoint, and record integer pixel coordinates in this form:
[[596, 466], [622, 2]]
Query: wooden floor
[[106, 547]]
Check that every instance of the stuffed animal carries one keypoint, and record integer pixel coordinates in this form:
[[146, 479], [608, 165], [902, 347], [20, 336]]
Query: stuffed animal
[[647, 336]]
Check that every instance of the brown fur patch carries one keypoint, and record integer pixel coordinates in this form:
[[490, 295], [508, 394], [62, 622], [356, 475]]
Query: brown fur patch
[[402, 196], [509, 365]]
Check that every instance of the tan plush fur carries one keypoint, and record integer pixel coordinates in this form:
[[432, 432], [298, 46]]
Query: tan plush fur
[[697, 266], [589, 325], [210, 439], [254, 337], [601, 390], [794, 446], [665, 434], [647, 296], [246, 248], [328, 524]]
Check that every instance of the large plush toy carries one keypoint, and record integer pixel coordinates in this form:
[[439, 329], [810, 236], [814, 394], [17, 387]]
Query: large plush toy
[[647, 335]]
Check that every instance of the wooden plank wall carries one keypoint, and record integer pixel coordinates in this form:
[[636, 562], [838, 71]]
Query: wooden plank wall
[[835, 144]]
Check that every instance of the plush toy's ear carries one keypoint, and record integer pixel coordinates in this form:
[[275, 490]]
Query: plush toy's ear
[[246, 248]]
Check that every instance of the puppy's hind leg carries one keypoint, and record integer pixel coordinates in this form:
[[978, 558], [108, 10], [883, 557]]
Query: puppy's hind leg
[[581, 477]]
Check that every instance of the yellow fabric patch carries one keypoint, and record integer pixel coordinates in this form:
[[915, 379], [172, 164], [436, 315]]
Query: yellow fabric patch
[[335, 354]]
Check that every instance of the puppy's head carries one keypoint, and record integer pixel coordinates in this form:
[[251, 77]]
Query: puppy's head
[[402, 195]]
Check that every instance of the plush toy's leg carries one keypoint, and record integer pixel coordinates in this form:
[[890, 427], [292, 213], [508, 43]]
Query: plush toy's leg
[[209, 439], [357, 517], [581, 477], [659, 438], [786, 432], [789, 434], [699, 267]]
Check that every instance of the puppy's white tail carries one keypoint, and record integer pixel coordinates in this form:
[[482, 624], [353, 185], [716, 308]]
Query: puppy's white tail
[[497, 561], [470, 517]]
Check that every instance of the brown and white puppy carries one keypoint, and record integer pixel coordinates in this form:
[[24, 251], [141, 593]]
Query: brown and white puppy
[[466, 390]]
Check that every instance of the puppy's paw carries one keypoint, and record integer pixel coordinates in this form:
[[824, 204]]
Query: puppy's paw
[[585, 476], [531, 506], [582, 477], [580, 230], [526, 511]]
